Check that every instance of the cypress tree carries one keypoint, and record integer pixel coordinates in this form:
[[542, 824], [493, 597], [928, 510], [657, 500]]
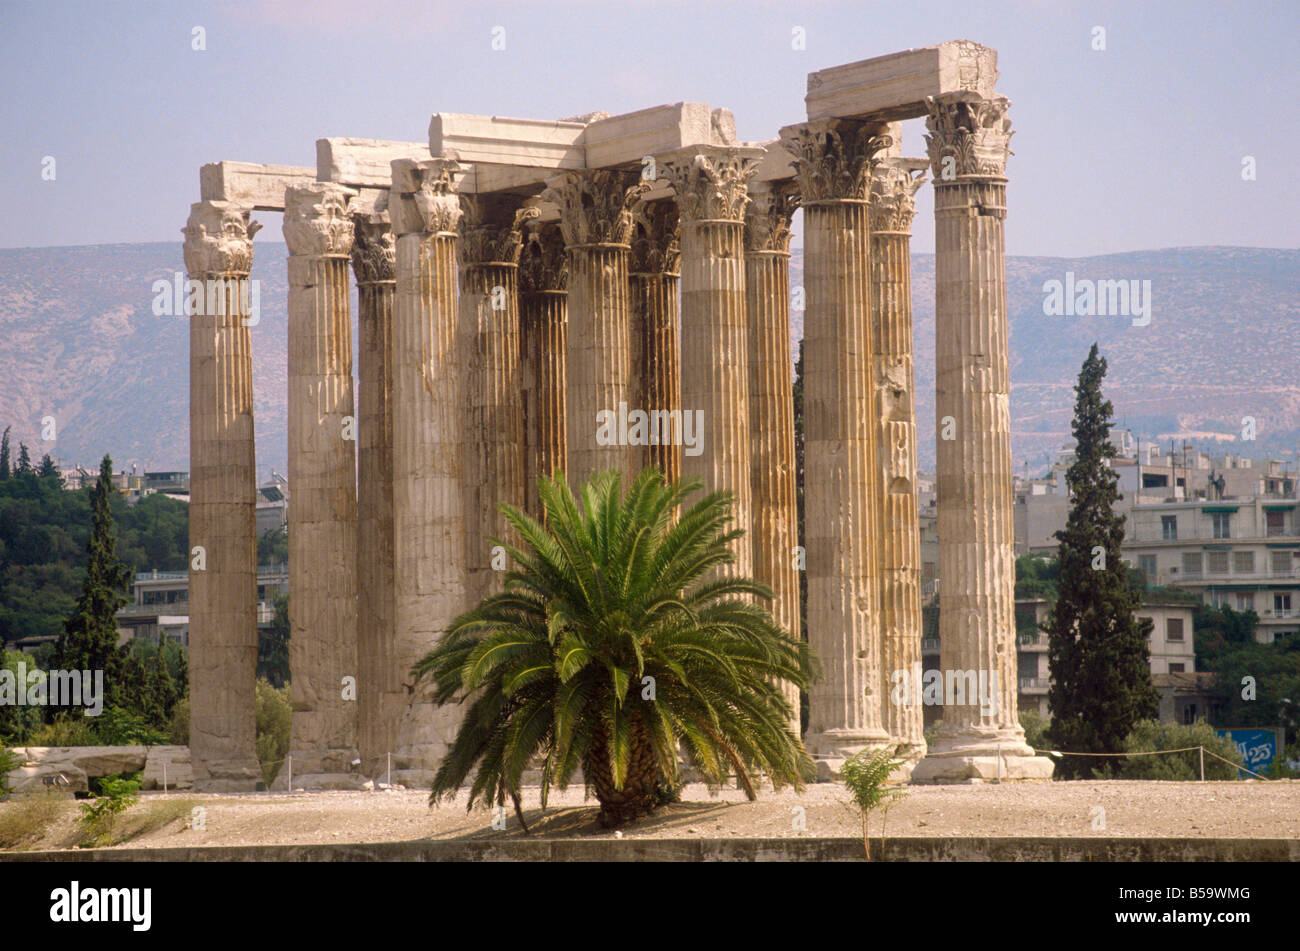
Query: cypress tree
[[4, 455], [161, 686], [1098, 650], [89, 637], [48, 469], [24, 460]]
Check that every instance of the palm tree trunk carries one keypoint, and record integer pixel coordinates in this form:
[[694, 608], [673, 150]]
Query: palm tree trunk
[[637, 797]]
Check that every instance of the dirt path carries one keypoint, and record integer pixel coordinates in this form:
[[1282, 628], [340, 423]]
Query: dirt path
[[1226, 809]]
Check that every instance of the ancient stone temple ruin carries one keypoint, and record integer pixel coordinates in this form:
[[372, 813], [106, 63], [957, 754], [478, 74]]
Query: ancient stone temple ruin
[[612, 292]]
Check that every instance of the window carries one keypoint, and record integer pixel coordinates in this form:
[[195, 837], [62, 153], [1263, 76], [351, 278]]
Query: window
[[1189, 714], [1192, 564], [1274, 523], [1218, 563], [1243, 562], [1176, 668], [1282, 604], [1246, 602], [1222, 523], [1169, 527], [1280, 562], [1173, 629], [1147, 563]]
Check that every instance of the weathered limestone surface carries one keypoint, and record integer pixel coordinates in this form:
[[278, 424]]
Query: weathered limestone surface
[[543, 340], [897, 86], [223, 499], [322, 471], [710, 187], [771, 404], [970, 135], [428, 515], [491, 237], [380, 696], [833, 160], [892, 208], [596, 220], [655, 340], [258, 187]]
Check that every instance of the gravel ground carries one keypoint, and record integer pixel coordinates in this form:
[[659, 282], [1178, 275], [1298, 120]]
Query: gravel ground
[[1172, 809]]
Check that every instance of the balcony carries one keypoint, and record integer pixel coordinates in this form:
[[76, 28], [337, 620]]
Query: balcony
[[929, 644], [1034, 684], [1032, 640]]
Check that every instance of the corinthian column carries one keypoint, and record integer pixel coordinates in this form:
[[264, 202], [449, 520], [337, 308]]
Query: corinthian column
[[322, 475], [656, 351], [428, 515], [833, 160], [380, 697], [771, 404], [892, 208], [710, 187], [223, 501], [491, 235], [981, 736], [596, 220], [543, 336]]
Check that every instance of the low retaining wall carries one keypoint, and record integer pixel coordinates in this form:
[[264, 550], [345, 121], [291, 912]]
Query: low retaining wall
[[903, 849], [69, 767]]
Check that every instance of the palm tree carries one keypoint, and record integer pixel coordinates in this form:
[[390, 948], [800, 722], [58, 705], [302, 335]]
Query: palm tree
[[614, 644]]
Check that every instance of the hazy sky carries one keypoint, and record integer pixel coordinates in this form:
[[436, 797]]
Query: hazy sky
[[1137, 146]]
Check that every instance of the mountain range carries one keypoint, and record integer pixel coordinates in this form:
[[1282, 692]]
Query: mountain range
[[79, 341]]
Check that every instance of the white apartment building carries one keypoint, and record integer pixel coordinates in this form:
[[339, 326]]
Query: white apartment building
[[1242, 553]]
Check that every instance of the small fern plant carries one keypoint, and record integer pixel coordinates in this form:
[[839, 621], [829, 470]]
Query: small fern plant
[[864, 775]]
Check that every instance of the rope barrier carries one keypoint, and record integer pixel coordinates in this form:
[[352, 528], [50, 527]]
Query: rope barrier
[[1185, 749]]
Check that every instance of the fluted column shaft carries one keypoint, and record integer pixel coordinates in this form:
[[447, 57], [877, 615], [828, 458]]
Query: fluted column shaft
[[710, 186], [322, 478], [968, 147], [543, 335], [223, 502], [494, 436], [833, 160], [656, 344], [380, 696], [899, 526], [771, 407], [596, 219], [428, 514]]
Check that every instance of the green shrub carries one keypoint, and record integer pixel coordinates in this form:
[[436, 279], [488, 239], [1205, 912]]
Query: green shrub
[[274, 722], [118, 727], [1035, 726], [1149, 735], [67, 729], [99, 814]]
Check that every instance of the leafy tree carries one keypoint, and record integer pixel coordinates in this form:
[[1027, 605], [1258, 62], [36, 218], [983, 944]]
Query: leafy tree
[[1098, 650], [273, 645], [1255, 684], [1037, 577], [273, 548], [89, 638], [614, 643], [4, 454]]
